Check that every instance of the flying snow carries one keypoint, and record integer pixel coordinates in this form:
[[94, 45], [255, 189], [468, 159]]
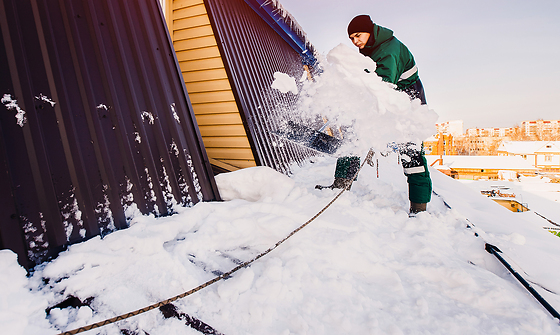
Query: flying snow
[[350, 94], [284, 83]]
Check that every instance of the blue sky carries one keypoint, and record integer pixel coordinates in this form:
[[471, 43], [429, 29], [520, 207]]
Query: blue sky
[[491, 63]]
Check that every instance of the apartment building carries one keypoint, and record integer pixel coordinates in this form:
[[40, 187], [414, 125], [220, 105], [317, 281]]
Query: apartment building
[[541, 129], [454, 128], [490, 132]]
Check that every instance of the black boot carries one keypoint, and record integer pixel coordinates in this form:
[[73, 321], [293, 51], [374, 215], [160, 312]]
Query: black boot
[[416, 208], [338, 183], [346, 168]]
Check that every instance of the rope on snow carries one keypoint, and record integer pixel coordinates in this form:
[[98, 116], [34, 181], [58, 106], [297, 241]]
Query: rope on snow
[[493, 250], [220, 277]]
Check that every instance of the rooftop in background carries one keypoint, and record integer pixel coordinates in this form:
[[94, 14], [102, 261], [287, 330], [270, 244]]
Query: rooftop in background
[[454, 128], [529, 147], [482, 162]]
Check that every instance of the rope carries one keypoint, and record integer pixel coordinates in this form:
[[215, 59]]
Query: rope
[[216, 279], [547, 219], [495, 251], [491, 249]]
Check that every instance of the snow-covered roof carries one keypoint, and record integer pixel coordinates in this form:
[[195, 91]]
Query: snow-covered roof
[[483, 162], [553, 146], [431, 139], [364, 261], [527, 147]]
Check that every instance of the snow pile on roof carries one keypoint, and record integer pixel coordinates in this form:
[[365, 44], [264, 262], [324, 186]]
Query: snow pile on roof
[[363, 267], [371, 112], [529, 147], [483, 162]]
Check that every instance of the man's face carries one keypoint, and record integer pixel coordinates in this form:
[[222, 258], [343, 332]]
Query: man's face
[[359, 39]]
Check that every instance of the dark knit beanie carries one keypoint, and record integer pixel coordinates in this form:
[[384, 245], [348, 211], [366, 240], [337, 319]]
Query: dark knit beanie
[[360, 24]]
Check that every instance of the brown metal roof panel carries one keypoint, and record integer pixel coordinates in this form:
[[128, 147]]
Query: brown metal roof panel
[[109, 126]]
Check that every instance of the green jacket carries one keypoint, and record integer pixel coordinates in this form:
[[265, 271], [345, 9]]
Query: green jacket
[[395, 63]]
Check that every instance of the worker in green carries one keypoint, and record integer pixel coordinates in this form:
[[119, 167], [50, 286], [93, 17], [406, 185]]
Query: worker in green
[[395, 64]]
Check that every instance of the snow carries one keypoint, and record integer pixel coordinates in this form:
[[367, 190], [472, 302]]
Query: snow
[[528, 147], [362, 267], [284, 83], [44, 98], [12, 103], [148, 116], [175, 115], [370, 110]]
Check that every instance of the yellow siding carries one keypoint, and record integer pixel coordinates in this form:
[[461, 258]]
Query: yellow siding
[[201, 76], [190, 11], [218, 131], [214, 108], [178, 4], [200, 53], [208, 97], [192, 33], [240, 163], [218, 119], [218, 142], [191, 22], [230, 153], [208, 86], [197, 42]]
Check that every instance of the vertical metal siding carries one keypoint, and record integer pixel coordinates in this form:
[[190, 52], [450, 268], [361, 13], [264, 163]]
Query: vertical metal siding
[[252, 51], [209, 89], [121, 136]]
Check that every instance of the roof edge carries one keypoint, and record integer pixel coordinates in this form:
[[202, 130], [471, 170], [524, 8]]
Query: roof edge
[[284, 23]]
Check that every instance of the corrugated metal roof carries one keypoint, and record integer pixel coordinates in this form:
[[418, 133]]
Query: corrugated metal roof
[[210, 92], [108, 128], [252, 52], [279, 19]]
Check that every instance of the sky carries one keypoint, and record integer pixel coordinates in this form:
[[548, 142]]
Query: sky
[[490, 63]]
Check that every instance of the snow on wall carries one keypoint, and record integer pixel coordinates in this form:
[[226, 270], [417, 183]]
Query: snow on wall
[[11, 104], [72, 216], [105, 219], [194, 177], [44, 98]]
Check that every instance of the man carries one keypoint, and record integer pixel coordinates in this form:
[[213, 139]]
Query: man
[[395, 64]]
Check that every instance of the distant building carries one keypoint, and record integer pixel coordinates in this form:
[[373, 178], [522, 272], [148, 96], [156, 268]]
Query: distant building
[[490, 132], [477, 145], [482, 167], [454, 128], [440, 144], [541, 129], [450, 140], [544, 155]]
